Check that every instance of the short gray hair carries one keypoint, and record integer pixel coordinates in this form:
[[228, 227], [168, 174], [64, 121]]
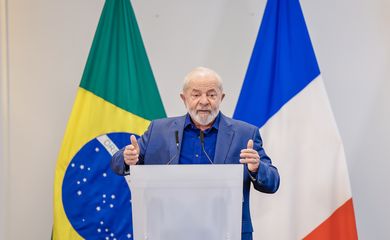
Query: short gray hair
[[202, 71]]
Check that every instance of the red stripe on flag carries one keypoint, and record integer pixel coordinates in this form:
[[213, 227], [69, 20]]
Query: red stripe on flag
[[340, 225]]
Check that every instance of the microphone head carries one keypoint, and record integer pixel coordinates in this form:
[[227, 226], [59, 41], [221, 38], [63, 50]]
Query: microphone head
[[201, 136], [177, 147]]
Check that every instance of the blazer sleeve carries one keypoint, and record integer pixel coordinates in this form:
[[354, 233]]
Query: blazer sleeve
[[267, 179], [117, 163]]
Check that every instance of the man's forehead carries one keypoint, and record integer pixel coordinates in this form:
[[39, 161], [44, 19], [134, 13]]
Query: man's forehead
[[203, 82]]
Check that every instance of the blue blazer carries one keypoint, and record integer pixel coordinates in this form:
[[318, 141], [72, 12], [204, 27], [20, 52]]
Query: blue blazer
[[158, 146]]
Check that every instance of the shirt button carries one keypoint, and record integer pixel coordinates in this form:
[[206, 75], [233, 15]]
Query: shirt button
[[196, 155]]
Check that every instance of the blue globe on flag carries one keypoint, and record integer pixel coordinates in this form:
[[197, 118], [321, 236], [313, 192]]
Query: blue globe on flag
[[96, 201]]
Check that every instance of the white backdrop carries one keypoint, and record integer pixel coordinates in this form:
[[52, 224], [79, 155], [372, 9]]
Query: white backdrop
[[49, 40]]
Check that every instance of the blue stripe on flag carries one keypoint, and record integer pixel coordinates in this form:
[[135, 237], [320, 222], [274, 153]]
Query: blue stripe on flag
[[282, 63]]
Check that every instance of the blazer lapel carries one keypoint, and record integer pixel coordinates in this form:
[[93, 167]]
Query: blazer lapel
[[174, 152], [224, 140]]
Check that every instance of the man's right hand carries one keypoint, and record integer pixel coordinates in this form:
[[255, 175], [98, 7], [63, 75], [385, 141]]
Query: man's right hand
[[131, 152]]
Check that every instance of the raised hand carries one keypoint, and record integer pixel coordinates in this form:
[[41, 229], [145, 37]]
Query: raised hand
[[250, 157], [131, 152]]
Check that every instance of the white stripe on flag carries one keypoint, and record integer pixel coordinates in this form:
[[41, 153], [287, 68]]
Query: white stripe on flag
[[303, 141], [108, 144]]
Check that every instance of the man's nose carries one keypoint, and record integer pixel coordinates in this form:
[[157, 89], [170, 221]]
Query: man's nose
[[203, 99]]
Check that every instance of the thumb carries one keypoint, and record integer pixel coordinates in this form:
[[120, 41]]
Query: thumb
[[250, 144], [134, 142]]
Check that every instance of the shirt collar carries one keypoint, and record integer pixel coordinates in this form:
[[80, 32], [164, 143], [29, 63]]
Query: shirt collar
[[188, 122]]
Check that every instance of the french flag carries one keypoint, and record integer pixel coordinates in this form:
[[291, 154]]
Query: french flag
[[283, 93]]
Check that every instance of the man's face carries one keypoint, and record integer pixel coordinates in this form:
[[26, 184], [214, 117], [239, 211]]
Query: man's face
[[202, 98]]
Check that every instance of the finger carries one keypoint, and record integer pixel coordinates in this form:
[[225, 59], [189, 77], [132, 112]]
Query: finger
[[246, 150], [131, 157], [134, 142], [250, 144], [130, 153], [134, 153], [131, 161], [249, 155], [249, 160], [129, 147]]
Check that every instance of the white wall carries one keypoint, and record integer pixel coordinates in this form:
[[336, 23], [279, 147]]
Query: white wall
[[48, 45]]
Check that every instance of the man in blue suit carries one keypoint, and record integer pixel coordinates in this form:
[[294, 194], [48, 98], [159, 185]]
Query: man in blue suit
[[204, 136]]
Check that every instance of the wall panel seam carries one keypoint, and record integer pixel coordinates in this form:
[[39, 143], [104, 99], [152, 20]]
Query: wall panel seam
[[4, 113]]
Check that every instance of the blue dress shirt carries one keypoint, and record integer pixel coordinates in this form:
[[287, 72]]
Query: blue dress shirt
[[191, 148]]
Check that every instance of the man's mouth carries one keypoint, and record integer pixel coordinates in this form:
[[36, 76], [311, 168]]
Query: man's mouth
[[203, 111]]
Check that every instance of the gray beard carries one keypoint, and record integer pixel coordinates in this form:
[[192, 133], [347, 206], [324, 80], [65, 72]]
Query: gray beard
[[201, 120]]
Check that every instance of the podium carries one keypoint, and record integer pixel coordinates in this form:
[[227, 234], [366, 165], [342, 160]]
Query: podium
[[186, 202]]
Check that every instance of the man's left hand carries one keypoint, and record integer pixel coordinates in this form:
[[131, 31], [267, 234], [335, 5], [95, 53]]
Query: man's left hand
[[250, 157]]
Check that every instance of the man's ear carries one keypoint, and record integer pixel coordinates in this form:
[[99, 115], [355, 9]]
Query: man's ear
[[223, 96], [183, 98]]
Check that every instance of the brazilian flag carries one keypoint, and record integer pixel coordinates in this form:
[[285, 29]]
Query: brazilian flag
[[117, 96]]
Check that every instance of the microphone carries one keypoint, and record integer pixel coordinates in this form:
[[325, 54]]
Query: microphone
[[201, 136], [177, 147]]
